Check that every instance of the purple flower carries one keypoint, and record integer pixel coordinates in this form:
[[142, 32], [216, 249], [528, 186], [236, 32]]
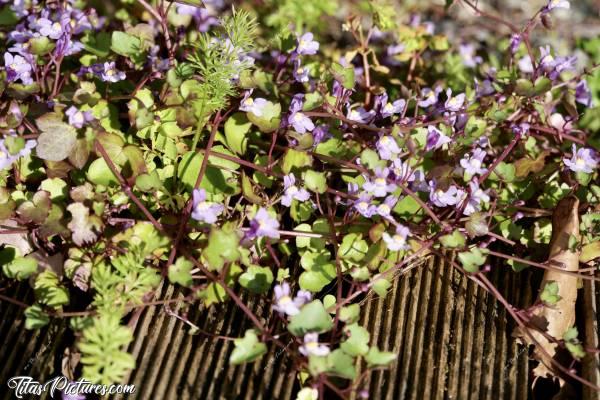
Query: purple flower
[[522, 129], [7, 159], [473, 163], [444, 198], [387, 109], [320, 133], [110, 73], [429, 97], [292, 191], [50, 29], [300, 73], [555, 66], [484, 89], [475, 199], [254, 106], [397, 242], [306, 44], [312, 347], [552, 4], [394, 49], [360, 115], [17, 67], [435, 138], [205, 211], [454, 103], [385, 208], [78, 118], [379, 187], [364, 207], [264, 225], [515, 42], [583, 94], [467, 53], [582, 160], [297, 119], [402, 171], [387, 147], [559, 122], [284, 303]]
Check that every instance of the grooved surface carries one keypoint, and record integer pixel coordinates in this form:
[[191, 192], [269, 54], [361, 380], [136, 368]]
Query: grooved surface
[[452, 341]]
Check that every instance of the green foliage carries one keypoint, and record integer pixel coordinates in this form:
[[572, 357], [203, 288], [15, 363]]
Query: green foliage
[[247, 349], [101, 346], [313, 317], [549, 294], [49, 291]]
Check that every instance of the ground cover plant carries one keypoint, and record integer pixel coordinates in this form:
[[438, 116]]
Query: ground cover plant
[[297, 151]]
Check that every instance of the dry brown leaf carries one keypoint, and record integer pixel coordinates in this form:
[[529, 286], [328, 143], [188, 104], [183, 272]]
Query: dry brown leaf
[[556, 319]]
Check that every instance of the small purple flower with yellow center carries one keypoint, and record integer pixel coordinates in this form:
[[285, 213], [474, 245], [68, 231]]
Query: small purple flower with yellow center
[[387, 109], [521, 129], [297, 119], [552, 4], [264, 225], [205, 211], [397, 241], [293, 192], [364, 207], [555, 66], [50, 29], [254, 106], [583, 160], [78, 118], [387, 147], [306, 44], [476, 198], [402, 171], [583, 94], [454, 103], [435, 138], [385, 208], [444, 198], [473, 163], [469, 58], [110, 73], [429, 97], [284, 303], [484, 88], [360, 115], [300, 72], [312, 347], [17, 67], [379, 187]]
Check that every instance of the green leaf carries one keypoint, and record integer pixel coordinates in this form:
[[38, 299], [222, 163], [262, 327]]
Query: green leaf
[[473, 259], [57, 139], [345, 75], [315, 181], [99, 173], [353, 247], [550, 294], [125, 44], [504, 171], [257, 279], [381, 286], [236, 130], [101, 346], [350, 314], [35, 317], [453, 240], [37, 209], [357, 340], [294, 159], [222, 247], [590, 251], [270, 118], [20, 268], [313, 317], [179, 272], [377, 358], [341, 364], [247, 349], [317, 277], [49, 291]]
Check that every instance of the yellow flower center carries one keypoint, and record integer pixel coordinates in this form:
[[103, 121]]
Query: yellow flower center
[[312, 345], [298, 117], [380, 181], [385, 140], [300, 71], [56, 25], [249, 101], [388, 107], [384, 208], [285, 300], [580, 161], [363, 205], [399, 239], [292, 190]]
